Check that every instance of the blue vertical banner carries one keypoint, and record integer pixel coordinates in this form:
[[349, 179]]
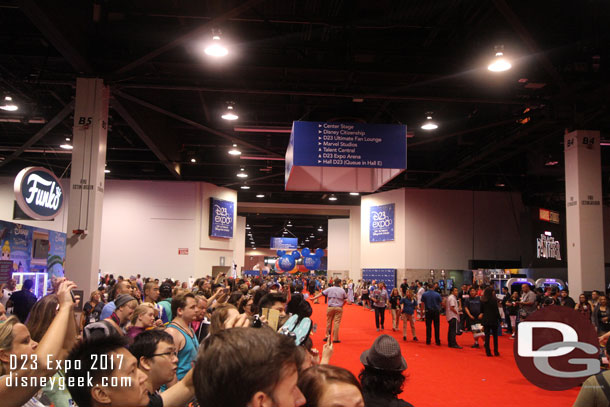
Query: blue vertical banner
[[381, 224], [221, 218]]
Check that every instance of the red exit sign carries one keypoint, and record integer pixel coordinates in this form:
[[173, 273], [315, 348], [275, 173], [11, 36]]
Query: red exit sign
[[183, 252], [548, 216]]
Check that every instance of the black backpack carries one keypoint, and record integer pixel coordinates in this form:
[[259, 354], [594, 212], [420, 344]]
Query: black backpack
[[94, 315]]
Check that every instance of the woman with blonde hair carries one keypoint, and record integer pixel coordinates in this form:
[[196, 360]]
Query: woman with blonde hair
[[15, 341], [142, 319], [350, 291]]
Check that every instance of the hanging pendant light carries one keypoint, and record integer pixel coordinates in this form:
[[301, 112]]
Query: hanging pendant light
[[429, 124], [8, 104], [499, 63], [230, 113], [216, 48]]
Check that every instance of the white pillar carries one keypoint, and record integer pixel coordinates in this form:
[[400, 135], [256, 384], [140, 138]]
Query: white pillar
[[87, 183], [584, 216]]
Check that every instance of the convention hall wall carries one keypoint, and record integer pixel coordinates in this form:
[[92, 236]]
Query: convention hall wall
[[443, 229], [147, 225], [146, 222]]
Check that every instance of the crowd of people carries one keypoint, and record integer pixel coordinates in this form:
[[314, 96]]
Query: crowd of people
[[219, 341], [236, 342]]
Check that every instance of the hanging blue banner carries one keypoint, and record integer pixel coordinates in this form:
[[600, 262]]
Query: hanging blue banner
[[381, 225], [321, 144], [283, 243], [221, 218]]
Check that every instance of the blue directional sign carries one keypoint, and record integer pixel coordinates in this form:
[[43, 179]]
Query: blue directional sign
[[283, 243], [321, 144]]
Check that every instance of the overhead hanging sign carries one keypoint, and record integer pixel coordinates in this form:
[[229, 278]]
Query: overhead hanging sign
[[349, 145], [381, 224], [221, 218], [283, 243], [38, 193]]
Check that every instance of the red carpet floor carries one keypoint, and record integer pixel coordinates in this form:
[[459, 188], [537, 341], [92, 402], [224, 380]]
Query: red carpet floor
[[440, 376]]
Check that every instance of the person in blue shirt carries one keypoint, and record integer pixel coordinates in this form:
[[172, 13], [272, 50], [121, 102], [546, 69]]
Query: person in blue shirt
[[432, 306], [408, 303], [474, 312]]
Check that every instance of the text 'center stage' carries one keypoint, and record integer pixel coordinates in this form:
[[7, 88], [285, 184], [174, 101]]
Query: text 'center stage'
[[344, 157]]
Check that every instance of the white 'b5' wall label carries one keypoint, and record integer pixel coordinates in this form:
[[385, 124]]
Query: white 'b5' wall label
[[38, 193]]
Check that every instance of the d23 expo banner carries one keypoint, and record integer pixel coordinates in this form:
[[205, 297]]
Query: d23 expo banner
[[221, 218], [381, 224]]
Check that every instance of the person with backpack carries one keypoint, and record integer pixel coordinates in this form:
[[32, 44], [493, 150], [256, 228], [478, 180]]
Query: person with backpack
[[113, 325], [92, 309]]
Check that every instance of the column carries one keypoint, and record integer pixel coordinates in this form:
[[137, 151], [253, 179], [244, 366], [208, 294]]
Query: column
[[87, 183], [584, 216]]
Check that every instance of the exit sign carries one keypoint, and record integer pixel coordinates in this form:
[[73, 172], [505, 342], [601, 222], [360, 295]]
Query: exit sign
[[183, 252]]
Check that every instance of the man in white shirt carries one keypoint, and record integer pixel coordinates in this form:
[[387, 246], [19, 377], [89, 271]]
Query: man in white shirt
[[453, 317], [336, 299], [420, 306], [528, 301]]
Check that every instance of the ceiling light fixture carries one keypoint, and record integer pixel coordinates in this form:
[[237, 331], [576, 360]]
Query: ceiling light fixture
[[230, 113], [234, 150], [354, 193], [499, 63], [215, 48], [66, 146], [260, 195], [193, 160], [320, 229], [245, 187], [429, 124], [332, 197], [9, 105], [107, 171], [242, 174]]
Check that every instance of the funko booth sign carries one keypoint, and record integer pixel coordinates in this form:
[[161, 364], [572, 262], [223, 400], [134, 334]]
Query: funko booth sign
[[38, 193]]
